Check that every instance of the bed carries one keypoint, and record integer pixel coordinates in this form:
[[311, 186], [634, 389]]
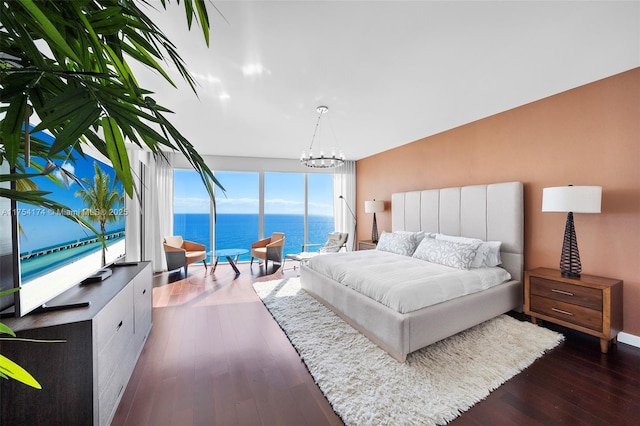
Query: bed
[[492, 212]]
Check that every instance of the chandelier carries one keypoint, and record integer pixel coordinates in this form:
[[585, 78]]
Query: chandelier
[[321, 161]]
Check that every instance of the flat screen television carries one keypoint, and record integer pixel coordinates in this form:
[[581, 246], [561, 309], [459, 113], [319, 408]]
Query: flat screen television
[[56, 253]]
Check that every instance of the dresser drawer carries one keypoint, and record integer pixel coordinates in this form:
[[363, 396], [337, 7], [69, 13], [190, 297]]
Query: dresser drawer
[[114, 333], [142, 302], [109, 321], [113, 389], [575, 314], [577, 295]]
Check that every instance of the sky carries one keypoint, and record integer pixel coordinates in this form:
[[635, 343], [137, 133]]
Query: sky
[[284, 193]]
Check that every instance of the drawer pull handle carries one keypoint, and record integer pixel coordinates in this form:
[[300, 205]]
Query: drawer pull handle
[[119, 325], [561, 311], [566, 293]]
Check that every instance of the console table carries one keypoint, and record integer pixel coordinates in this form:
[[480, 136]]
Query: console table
[[83, 378]]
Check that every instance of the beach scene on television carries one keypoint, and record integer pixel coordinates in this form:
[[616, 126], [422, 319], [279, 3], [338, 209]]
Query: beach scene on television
[[50, 243]]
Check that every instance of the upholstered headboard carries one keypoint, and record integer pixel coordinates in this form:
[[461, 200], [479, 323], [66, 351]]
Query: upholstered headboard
[[491, 212]]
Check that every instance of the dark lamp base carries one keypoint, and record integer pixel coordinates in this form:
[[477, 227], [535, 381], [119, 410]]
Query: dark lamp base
[[570, 265], [374, 230]]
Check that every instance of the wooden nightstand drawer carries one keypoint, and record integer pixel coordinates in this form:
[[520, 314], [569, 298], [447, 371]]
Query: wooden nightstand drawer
[[582, 296], [574, 314], [589, 304]]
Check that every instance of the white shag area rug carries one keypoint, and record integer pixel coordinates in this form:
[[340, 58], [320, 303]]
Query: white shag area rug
[[366, 386]]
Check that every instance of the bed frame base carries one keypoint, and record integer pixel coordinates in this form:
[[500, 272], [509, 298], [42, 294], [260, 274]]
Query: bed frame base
[[400, 334]]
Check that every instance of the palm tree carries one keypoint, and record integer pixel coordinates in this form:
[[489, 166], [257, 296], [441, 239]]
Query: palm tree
[[101, 200], [81, 85], [68, 61]]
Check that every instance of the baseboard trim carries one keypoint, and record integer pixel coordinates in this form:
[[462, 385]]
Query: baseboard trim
[[629, 339]]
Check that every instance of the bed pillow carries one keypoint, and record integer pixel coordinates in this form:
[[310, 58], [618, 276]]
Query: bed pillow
[[448, 253], [492, 255], [457, 239], [398, 243], [478, 260], [418, 235], [488, 253]]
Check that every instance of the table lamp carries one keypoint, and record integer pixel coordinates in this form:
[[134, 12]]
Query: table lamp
[[374, 207], [571, 199]]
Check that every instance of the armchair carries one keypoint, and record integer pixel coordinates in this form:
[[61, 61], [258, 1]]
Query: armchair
[[268, 249], [180, 253]]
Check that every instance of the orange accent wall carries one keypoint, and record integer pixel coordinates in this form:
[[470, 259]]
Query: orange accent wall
[[585, 136]]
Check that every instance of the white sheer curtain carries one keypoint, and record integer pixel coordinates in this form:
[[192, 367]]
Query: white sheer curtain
[[344, 184], [133, 218], [159, 211]]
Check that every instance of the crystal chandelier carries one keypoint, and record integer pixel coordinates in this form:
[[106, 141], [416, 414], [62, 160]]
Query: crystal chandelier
[[321, 161]]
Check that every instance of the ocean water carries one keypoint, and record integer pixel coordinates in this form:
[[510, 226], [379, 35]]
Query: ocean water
[[58, 255], [240, 230]]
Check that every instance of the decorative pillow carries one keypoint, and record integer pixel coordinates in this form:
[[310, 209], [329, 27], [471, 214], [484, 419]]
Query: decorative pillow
[[418, 235], [398, 243], [455, 255], [492, 255], [456, 239], [478, 260]]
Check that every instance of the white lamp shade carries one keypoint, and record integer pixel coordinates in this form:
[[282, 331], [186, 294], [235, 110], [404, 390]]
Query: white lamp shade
[[576, 199], [373, 206]]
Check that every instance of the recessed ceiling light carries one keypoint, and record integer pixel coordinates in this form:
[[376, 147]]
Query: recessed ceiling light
[[253, 69]]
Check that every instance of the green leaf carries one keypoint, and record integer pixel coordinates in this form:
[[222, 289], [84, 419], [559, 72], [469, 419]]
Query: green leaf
[[6, 330], [14, 371], [63, 107], [123, 72], [143, 56], [49, 29], [75, 128], [8, 291], [201, 7], [11, 129], [118, 153]]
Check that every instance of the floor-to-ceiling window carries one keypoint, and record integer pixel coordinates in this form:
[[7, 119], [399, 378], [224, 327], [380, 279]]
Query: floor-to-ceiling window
[[320, 209], [191, 208], [238, 218], [284, 208]]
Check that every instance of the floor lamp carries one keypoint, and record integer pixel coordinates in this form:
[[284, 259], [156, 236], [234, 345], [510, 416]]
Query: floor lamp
[[374, 207], [571, 199], [354, 220]]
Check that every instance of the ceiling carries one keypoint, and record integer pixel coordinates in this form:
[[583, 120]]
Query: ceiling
[[390, 72]]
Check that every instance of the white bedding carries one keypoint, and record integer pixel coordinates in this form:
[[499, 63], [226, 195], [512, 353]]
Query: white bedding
[[403, 283]]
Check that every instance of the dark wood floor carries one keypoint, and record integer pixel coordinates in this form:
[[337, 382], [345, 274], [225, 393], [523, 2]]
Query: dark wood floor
[[215, 356]]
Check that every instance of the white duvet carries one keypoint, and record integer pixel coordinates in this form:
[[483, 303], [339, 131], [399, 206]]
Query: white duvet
[[404, 283]]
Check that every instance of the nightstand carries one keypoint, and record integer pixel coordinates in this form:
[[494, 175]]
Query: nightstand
[[366, 245], [589, 304]]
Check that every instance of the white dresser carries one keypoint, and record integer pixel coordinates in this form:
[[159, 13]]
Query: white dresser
[[83, 378]]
